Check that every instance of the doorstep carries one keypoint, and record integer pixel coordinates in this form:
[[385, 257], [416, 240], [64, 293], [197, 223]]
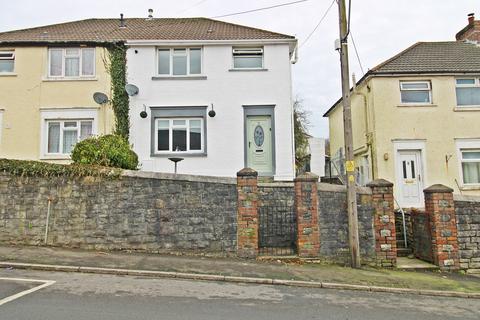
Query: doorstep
[[405, 263]]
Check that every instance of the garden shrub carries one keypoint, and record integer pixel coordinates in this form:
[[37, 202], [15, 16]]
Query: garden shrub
[[108, 150]]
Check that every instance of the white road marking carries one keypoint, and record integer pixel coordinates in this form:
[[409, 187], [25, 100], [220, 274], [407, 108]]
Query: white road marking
[[45, 283]]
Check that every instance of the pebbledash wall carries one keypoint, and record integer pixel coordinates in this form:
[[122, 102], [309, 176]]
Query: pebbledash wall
[[160, 212]]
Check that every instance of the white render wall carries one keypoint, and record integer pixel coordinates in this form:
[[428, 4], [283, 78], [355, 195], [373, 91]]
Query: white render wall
[[228, 91]]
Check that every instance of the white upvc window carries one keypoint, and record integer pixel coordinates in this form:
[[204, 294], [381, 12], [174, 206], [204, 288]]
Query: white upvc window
[[179, 135], [71, 62], [62, 135], [179, 61], [247, 58], [416, 92], [7, 61], [468, 92], [470, 161]]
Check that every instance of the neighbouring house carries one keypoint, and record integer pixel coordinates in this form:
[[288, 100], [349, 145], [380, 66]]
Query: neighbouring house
[[184, 69], [416, 119], [47, 78]]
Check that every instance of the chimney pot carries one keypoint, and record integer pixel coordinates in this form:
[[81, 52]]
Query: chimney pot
[[471, 18], [150, 13]]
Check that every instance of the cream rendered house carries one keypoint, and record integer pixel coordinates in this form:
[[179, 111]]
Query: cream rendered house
[[47, 78], [416, 119]]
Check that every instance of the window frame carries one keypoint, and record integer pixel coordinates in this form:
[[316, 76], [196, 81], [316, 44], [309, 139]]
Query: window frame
[[463, 145], [462, 161], [62, 122], [429, 85], [475, 85], [80, 63], [11, 58], [171, 126], [171, 55], [261, 48]]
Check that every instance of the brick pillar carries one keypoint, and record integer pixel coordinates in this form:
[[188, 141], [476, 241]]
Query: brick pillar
[[306, 208], [384, 223], [247, 213], [440, 209]]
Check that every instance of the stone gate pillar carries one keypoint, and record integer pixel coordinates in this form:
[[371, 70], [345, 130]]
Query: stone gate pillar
[[384, 223], [306, 209], [440, 209], [247, 213]]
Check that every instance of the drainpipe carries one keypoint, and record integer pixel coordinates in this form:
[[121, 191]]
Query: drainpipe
[[47, 222]]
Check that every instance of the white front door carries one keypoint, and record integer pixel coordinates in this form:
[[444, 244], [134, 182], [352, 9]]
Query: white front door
[[259, 144], [410, 178]]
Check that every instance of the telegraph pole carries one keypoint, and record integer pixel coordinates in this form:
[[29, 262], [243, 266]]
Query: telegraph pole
[[347, 129]]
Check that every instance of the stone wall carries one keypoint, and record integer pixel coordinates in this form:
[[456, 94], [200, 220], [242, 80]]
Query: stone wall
[[468, 229], [333, 223], [145, 211]]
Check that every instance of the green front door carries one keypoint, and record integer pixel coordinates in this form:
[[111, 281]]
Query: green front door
[[259, 144]]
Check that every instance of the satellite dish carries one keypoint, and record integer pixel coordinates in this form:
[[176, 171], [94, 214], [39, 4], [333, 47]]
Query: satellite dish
[[100, 98], [131, 89]]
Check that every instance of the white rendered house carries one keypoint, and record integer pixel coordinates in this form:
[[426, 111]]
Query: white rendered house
[[193, 66]]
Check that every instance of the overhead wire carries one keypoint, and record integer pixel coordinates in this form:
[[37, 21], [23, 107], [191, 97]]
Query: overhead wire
[[356, 53], [259, 9], [318, 24], [196, 4]]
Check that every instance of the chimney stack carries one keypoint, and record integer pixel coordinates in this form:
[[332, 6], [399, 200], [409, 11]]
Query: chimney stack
[[150, 14], [122, 21], [471, 32]]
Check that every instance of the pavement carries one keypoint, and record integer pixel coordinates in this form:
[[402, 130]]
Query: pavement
[[77, 296], [294, 273]]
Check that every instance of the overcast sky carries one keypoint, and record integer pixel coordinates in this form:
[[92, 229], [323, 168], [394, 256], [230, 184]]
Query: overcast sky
[[381, 28]]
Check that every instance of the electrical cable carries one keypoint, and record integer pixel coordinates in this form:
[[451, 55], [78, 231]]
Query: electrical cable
[[356, 53], [318, 24], [259, 9]]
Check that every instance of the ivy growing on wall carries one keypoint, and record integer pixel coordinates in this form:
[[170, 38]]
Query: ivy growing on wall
[[116, 66]]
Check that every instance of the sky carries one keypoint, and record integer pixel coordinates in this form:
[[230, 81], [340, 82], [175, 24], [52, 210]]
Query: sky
[[380, 28]]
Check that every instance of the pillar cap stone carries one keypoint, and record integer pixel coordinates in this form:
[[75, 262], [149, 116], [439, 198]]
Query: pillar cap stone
[[247, 172], [307, 177], [379, 183], [438, 188]]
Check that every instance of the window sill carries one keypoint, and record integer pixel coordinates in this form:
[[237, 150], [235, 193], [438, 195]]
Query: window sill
[[466, 109], [47, 79], [179, 78], [247, 70], [57, 157], [470, 188], [178, 155], [8, 74], [415, 105]]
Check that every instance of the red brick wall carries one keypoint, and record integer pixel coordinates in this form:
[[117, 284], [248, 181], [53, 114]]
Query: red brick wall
[[306, 206], [384, 223], [440, 208], [247, 214]]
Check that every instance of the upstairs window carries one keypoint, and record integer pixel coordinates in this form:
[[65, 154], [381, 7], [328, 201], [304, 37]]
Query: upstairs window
[[416, 92], [179, 61], [7, 61], [247, 58], [71, 62], [468, 92]]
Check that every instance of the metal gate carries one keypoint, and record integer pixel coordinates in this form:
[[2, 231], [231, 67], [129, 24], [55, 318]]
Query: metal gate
[[278, 231]]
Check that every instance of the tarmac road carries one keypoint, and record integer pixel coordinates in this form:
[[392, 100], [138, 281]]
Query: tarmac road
[[106, 297]]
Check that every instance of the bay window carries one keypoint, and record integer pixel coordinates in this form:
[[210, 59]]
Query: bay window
[[468, 92], [71, 62]]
